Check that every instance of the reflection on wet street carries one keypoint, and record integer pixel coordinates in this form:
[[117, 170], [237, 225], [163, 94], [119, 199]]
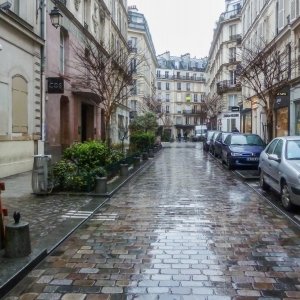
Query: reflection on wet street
[[184, 228]]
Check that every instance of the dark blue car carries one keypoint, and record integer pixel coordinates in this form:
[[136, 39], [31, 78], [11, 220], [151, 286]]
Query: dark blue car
[[242, 150], [219, 143]]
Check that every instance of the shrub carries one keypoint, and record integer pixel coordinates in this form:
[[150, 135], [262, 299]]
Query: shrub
[[142, 140], [166, 136]]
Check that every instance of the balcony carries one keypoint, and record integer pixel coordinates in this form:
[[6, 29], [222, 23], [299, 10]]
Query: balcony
[[167, 111], [191, 112], [178, 77], [232, 60], [235, 37], [227, 85], [133, 50]]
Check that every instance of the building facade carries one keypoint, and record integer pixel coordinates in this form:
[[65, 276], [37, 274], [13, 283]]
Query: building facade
[[221, 69], [181, 91], [76, 114], [21, 86], [143, 63]]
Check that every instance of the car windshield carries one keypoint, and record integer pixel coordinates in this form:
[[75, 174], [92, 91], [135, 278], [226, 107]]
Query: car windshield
[[293, 150], [210, 134], [251, 139], [200, 131]]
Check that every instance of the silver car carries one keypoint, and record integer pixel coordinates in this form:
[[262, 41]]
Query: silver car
[[279, 167]]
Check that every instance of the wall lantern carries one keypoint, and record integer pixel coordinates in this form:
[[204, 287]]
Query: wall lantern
[[56, 16]]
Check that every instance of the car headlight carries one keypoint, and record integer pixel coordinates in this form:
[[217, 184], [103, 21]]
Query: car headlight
[[235, 154]]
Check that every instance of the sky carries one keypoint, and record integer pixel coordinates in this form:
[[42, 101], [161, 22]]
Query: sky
[[181, 26]]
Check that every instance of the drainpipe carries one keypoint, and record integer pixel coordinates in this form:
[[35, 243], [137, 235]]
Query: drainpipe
[[43, 7]]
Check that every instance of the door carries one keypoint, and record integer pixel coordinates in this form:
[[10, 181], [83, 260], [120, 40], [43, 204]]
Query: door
[[274, 167]]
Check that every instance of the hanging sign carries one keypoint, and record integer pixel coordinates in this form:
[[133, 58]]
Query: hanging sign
[[55, 85]]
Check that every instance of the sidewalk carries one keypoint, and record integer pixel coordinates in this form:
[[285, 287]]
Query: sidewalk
[[51, 218]]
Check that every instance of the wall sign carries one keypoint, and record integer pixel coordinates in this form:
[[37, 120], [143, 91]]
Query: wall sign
[[55, 85], [231, 115], [235, 108], [282, 99]]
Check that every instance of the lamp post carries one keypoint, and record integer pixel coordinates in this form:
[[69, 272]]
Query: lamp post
[[56, 17]]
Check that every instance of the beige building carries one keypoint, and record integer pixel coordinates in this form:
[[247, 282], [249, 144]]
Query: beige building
[[221, 69], [180, 89], [21, 86], [143, 63]]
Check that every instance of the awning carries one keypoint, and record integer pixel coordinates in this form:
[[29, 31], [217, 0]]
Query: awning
[[87, 93]]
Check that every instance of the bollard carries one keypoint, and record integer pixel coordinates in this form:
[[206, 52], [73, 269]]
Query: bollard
[[137, 162], [101, 185], [145, 156], [17, 238], [151, 154], [124, 170]]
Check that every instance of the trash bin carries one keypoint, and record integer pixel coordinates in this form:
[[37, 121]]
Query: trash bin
[[42, 179]]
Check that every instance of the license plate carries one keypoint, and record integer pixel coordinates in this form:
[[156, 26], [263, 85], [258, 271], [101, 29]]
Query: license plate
[[252, 158]]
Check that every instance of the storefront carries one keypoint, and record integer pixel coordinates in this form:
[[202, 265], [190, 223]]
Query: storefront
[[229, 121], [281, 110]]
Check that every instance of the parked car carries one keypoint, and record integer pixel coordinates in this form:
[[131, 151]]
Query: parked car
[[279, 167], [200, 131], [242, 150], [212, 142], [206, 139], [219, 143]]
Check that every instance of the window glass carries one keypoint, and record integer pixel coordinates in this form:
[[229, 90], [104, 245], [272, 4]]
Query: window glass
[[227, 140], [293, 150], [250, 139], [271, 147], [278, 148]]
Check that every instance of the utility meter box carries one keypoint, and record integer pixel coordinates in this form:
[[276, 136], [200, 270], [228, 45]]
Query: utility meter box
[[42, 179]]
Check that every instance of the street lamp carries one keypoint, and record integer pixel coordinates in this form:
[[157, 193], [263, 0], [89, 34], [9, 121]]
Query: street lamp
[[56, 17]]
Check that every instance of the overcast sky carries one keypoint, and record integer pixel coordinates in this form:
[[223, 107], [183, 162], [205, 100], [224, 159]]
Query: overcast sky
[[181, 26]]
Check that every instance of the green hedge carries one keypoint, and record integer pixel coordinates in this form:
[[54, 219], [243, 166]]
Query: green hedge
[[142, 140]]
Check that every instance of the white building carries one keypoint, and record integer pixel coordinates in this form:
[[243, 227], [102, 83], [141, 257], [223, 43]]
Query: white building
[[221, 69], [21, 86], [180, 88]]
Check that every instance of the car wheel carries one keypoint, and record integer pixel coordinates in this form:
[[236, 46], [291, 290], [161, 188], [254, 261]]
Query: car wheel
[[262, 182], [229, 166], [286, 197]]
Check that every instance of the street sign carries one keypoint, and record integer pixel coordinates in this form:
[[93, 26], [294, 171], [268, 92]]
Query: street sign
[[55, 85], [235, 108]]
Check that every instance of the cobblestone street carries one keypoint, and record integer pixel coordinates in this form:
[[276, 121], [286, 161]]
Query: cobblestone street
[[184, 228]]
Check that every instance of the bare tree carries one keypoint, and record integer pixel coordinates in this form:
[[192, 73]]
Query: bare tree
[[213, 105], [153, 105], [265, 69], [105, 70]]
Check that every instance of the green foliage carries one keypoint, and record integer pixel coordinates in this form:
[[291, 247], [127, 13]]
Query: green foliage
[[81, 164], [142, 140], [144, 123], [166, 136]]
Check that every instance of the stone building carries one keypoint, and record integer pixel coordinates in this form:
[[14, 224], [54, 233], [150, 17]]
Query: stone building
[[21, 85], [221, 69], [144, 62], [180, 89]]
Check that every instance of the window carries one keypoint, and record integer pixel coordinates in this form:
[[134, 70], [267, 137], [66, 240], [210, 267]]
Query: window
[[134, 88], [159, 96], [121, 127], [168, 97], [293, 10], [232, 32], [167, 86], [178, 120], [232, 75], [179, 109], [232, 99], [195, 120], [202, 97], [188, 97], [195, 98], [232, 54], [133, 105], [158, 74], [179, 97], [194, 76], [166, 74], [62, 53], [280, 17], [17, 7], [167, 109], [178, 86], [187, 75], [133, 65], [178, 75], [278, 148], [159, 85], [19, 105], [188, 86], [188, 120]]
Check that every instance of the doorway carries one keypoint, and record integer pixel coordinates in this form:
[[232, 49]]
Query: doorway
[[87, 122], [64, 123]]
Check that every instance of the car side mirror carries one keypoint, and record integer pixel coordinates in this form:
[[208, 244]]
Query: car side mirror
[[274, 157]]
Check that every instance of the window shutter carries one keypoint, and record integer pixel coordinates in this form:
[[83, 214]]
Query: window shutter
[[293, 9], [280, 14]]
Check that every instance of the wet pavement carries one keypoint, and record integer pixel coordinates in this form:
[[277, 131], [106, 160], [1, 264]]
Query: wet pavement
[[184, 228]]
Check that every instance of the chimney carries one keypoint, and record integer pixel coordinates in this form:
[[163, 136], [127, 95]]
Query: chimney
[[133, 8]]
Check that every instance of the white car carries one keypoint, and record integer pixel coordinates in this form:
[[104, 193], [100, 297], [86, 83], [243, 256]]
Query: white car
[[279, 167]]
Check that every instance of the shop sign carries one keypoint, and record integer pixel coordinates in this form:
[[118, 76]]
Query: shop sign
[[231, 115], [282, 99], [55, 85], [235, 108]]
